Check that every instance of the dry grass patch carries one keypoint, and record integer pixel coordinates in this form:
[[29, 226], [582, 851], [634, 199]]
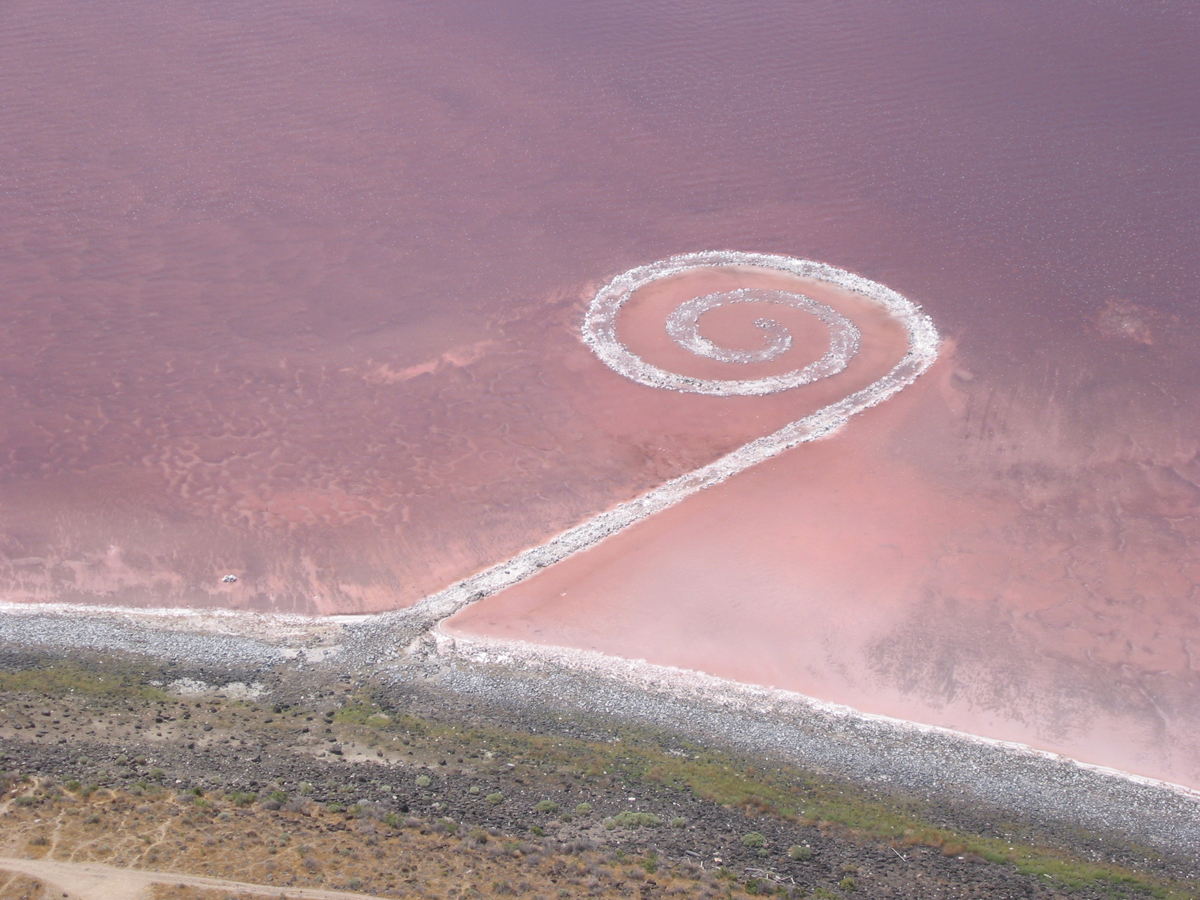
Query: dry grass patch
[[304, 849], [15, 886]]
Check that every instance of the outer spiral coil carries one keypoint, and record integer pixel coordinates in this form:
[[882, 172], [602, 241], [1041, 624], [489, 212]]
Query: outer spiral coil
[[600, 326], [683, 325]]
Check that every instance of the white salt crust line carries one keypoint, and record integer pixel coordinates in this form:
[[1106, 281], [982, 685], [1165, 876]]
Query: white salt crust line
[[777, 703], [240, 620], [272, 627], [599, 332]]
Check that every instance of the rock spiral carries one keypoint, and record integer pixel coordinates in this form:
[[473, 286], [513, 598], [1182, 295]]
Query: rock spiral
[[600, 333], [683, 325]]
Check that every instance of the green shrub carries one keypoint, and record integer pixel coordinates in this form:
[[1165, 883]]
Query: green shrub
[[753, 840], [631, 819], [799, 853], [679, 822], [847, 884], [583, 809], [424, 781], [495, 799], [546, 806], [306, 788], [537, 830]]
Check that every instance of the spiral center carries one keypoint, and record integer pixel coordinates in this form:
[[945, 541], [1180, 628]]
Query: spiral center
[[683, 325]]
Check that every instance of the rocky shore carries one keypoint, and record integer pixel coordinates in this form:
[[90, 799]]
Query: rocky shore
[[287, 711]]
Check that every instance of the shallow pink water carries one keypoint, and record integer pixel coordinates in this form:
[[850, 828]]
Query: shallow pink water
[[293, 292]]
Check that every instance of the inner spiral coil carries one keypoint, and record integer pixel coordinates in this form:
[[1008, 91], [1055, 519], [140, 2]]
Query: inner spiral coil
[[683, 326]]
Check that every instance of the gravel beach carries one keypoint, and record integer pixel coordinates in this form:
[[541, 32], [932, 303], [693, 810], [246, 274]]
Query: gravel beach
[[972, 779]]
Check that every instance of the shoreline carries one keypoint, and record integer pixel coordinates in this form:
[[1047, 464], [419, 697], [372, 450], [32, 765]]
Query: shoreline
[[313, 631], [771, 701], [881, 752]]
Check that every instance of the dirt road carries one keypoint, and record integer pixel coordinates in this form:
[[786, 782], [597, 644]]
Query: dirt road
[[94, 881]]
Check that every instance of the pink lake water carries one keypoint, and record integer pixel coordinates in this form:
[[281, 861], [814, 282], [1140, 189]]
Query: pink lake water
[[293, 292]]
